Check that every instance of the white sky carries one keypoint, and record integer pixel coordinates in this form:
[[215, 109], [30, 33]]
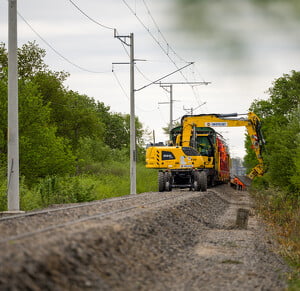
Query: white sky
[[269, 50]]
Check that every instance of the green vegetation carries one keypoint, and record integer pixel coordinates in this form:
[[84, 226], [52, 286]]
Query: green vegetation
[[101, 181], [278, 191], [72, 148]]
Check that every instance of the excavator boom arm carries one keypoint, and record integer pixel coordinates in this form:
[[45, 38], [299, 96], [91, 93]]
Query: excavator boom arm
[[252, 124]]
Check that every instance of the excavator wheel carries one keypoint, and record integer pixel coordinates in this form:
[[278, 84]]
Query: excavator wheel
[[196, 184], [167, 181], [212, 181], [161, 181], [203, 181]]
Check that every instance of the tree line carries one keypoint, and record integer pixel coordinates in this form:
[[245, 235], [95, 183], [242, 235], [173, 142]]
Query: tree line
[[280, 115], [61, 131], [277, 193]]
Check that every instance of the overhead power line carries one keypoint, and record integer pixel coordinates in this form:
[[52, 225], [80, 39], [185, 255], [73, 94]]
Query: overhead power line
[[165, 51], [57, 52], [124, 92], [149, 32], [160, 32], [157, 81], [171, 49], [137, 68], [119, 83], [90, 18]]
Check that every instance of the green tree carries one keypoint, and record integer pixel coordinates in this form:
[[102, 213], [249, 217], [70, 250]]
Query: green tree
[[3, 61], [31, 60], [42, 152], [3, 122], [59, 126], [76, 117], [250, 160], [281, 127], [166, 129], [117, 128]]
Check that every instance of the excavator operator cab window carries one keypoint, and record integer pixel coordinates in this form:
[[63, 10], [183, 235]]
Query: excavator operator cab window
[[167, 155], [204, 146]]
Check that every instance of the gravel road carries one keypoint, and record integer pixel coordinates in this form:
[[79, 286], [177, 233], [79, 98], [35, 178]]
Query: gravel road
[[179, 240]]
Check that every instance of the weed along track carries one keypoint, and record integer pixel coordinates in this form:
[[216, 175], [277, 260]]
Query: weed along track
[[153, 241]]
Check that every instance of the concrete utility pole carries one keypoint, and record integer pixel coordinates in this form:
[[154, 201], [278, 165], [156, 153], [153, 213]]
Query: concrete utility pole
[[171, 107], [169, 89], [191, 110], [132, 121], [13, 124], [123, 39]]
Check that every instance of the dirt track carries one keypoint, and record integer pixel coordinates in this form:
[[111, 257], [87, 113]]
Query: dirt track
[[188, 242]]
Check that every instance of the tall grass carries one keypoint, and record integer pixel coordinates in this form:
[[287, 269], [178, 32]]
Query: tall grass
[[281, 210], [97, 181]]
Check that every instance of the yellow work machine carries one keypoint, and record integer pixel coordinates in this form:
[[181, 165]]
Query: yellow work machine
[[198, 155]]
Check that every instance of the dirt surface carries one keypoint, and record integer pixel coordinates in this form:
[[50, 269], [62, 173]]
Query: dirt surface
[[186, 241]]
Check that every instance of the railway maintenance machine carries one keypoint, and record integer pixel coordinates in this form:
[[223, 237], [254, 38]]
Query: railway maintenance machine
[[199, 156]]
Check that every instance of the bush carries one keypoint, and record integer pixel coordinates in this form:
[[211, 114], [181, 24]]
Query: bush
[[281, 210], [58, 190], [3, 194], [104, 180]]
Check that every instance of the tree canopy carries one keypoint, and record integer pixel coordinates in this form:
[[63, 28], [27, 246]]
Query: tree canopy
[[58, 127], [280, 115]]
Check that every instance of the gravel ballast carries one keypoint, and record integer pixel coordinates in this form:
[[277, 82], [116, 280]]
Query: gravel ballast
[[190, 241]]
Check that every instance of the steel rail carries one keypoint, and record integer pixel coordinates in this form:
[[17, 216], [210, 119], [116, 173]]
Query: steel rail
[[80, 220], [47, 211]]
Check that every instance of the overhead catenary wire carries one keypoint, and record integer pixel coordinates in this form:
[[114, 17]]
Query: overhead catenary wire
[[57, 52], [148, 30], [194, 88], [161, 115], [142, 74], [89, 17], [194, 70], [104, 26], [124, 91], [157, 81], [165, 51], [120, 84], [160, 32], [137, 68]]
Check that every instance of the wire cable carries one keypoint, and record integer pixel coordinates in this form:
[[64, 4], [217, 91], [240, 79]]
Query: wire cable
[[137, 68], [90, 18], [57, 52], [119, 83], [124, 92], [166, 52], [161, 115], [194, 88], [142, 74], [148, 30], [160, 32]]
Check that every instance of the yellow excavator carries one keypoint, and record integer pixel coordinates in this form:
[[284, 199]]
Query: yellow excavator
[[198, 156]]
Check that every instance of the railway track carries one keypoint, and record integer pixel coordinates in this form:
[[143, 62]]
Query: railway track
[[179, 240], [97, 210], [64, 208]]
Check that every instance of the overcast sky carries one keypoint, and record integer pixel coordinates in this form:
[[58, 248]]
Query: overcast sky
[[239, 47]]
